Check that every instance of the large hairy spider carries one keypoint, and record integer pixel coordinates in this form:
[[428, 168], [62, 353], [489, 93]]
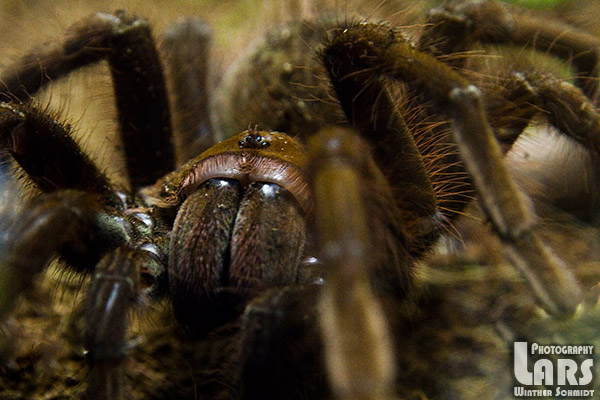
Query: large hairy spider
[[230, 236]]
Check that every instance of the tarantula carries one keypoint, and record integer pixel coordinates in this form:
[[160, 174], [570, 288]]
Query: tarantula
[[227, 234]]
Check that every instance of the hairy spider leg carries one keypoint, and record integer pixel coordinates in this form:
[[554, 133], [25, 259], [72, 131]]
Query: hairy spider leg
[[186, 44], [562, 104], [356, 224], [67, 222], [454, 28], [79, 217], [45, 150], [115, 288], [341, 168], [369, 108], [380, 50], [49, 156], [142, 105], [565, 106], [50, 222], [281, 327]]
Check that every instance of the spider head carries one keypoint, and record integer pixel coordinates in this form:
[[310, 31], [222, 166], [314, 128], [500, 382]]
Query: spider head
[[240, 226]]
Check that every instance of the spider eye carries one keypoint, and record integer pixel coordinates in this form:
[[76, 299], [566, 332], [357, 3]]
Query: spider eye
[[253, 141]]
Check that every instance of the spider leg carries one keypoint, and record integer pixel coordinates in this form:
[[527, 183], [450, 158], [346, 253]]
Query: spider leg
[[65, 220], [552, 281], [47, 154], [187, 45], [143, 110], [565, 107], [80, 218], [281, 352], [350, 234], [374, 49], [360, 365], [78, 227], [115, 288], [366, 101], [455, 27]]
